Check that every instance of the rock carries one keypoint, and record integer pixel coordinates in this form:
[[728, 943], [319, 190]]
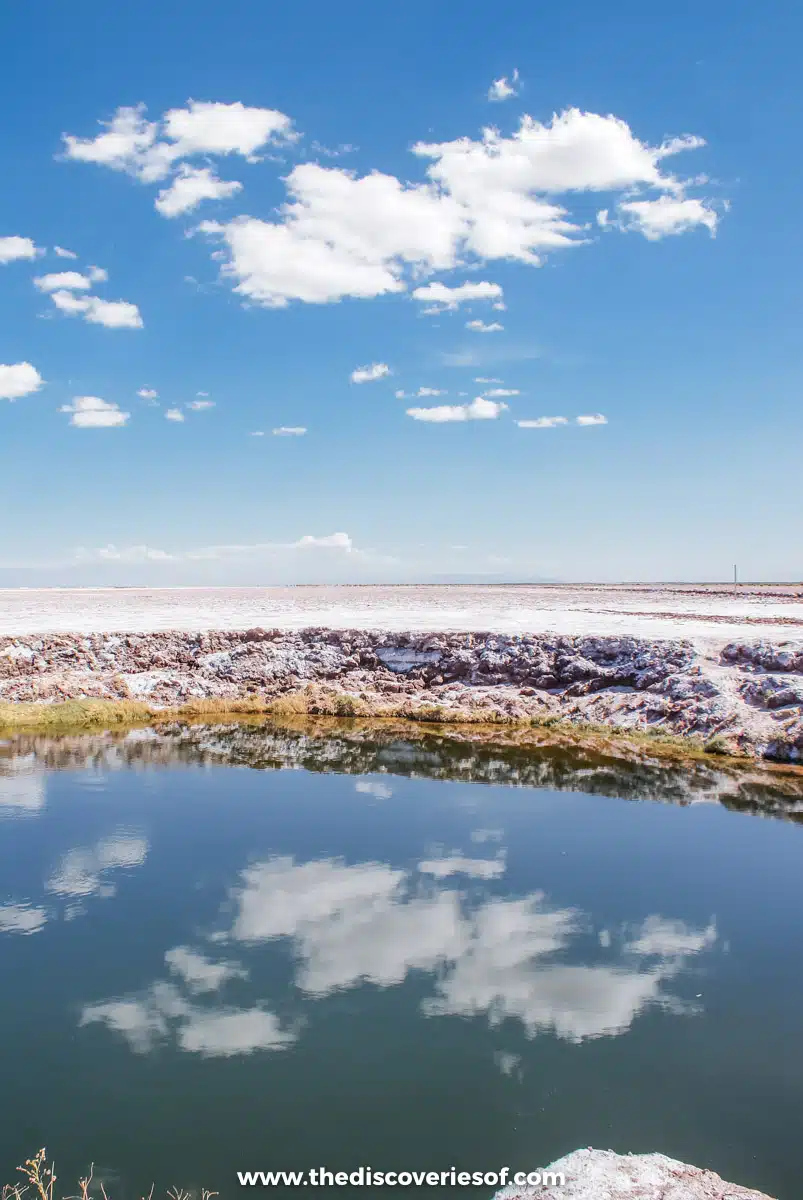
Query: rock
[[604, 1175]]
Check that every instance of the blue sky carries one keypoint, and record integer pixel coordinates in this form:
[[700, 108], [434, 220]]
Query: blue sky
[[636, 211]]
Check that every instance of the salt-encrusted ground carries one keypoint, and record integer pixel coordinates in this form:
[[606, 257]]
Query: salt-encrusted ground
[[644, 610], [603, 1175]]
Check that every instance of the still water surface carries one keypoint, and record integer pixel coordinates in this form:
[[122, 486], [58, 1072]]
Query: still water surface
[[408, 955]]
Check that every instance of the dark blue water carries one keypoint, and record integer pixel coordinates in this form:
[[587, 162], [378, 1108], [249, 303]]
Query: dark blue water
[[401, 955]]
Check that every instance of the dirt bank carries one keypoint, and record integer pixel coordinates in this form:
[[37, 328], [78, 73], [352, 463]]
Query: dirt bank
[[748, 696]]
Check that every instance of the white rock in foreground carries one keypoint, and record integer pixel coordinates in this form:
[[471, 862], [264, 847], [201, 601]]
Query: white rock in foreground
[[604, 1175]]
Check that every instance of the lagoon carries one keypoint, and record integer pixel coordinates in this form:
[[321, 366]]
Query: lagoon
[[258, 946]]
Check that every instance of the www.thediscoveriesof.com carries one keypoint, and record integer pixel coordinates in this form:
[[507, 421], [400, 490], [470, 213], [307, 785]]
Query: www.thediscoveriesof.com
[[367, 1177]]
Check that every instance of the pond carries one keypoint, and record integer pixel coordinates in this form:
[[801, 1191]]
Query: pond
[[258, 947]]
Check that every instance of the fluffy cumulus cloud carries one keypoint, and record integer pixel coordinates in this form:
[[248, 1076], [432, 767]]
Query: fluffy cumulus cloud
[[504, 88], [495, 197], [18, 379], [147, 1019], [200, 405], [190, 187], [174, 414], [486, 956], [342, 234], [592, 419], [497, 392], [63, 286], [147, 394], [154, 150], [14, 248], [479, 409], [662, 217], [370, 373], [70, 281], [439, 296], [60, 252], [289, 431], [90, 412]]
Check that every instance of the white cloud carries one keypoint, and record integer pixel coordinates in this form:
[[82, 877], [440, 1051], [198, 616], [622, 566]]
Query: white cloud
[[124, 145], [22, 786], [66, 302], [380, 791], [349, 923], [114, 314], [200, 973], [479, 409], [174, 414], [200, 405], [421, 393], [483, 379], [128, 554], [446, 297], [60, 252], [289, 431], [190, 187], [98, 274], [543, 423], [235, 1031], [341, 235], [457, 864], [481, 327], [82, 871], [149, 1018], [18, 379], [67, 280], [667, 215], [132, 144], [370, 373], [21, 918], [147, 394], [257, 433], [501, 89], [592, 419], [92, 412], [340, 542], [15, 248], [495, 392], [659, 937], [372, 923], [213, 128]]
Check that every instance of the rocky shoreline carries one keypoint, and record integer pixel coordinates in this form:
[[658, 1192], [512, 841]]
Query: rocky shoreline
[[739, 697]]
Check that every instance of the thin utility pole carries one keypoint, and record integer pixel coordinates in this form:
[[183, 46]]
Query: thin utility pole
[[735, 576]]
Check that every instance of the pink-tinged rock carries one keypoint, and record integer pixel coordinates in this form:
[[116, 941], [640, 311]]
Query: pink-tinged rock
[[604, 1175]]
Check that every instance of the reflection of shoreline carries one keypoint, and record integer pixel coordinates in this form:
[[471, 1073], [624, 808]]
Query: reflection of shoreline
[[513, 758]]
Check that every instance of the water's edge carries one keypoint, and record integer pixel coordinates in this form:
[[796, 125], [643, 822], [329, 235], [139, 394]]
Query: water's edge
[[741, 698]]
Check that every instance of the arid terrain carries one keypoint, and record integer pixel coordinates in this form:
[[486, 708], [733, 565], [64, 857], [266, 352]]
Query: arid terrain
[[708, 611], [724, 671]]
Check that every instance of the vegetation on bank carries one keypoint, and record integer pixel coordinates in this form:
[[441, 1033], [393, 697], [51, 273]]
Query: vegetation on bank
[[39, 1183], [79, 716]]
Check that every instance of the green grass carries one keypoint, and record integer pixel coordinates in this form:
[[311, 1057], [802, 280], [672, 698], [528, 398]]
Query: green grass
[[77, 716]]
